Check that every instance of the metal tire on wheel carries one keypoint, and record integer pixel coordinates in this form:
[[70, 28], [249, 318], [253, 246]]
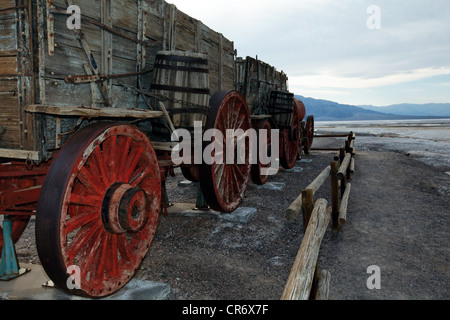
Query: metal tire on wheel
[[224, 184], [98, 209]]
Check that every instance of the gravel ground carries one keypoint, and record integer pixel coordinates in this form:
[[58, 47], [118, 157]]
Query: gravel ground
[[398, 219]]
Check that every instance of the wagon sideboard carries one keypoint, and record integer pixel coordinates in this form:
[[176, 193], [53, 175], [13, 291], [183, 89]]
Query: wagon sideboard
[[107, 65]]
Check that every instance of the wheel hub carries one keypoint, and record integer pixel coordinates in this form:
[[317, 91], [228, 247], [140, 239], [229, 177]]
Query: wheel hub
[[124, 209]]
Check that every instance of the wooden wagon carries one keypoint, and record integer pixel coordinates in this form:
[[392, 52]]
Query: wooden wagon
[[87, 114]]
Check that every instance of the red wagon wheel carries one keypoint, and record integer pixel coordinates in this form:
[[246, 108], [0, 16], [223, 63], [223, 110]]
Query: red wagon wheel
[[291, 141], [224, 184], [257, 176], [98, 208], [309, 134]]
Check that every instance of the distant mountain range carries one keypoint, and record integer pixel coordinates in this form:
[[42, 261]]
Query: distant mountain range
[[324, 110]]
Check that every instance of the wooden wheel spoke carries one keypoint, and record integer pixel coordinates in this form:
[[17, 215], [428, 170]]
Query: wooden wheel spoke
[[124, 149], [113, 265], [137, 178], [123, 248], [86, 200], [82, 238], [80, 220], [101, 165], [135, 156], [110, 150], [102, 259], [89, 181], [89, 254], [239, 176]]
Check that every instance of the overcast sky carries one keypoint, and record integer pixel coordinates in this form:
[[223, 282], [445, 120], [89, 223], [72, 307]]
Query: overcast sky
[[342, 50]]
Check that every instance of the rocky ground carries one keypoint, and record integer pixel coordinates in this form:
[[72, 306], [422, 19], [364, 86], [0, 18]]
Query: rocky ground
[[398, 219]]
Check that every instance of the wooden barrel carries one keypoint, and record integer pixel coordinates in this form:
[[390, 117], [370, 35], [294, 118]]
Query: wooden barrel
[[281, 106], [182, 79]]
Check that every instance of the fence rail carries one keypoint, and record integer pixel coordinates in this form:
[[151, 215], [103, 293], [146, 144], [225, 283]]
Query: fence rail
[[306, 281]]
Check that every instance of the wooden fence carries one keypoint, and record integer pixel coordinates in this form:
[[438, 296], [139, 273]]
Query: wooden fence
[[306, 281]]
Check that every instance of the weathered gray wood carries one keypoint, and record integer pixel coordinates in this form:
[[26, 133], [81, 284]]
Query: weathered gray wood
[[344, 166], [344, 205], [175, 78], [295, 208], [20, 154], [298, 286], [335, 195], [94, 113], [323, 286]]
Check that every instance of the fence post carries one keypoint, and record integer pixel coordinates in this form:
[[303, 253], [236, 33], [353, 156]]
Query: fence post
[[308, 207], [298, 286]]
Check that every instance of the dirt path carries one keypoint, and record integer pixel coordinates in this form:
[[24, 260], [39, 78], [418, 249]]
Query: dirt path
[[398, 220]]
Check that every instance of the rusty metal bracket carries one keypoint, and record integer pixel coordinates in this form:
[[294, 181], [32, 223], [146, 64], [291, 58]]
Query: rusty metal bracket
[[102, 77], [50, 27]]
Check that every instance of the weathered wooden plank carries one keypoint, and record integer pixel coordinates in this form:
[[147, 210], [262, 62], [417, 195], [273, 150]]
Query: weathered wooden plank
[[323, 285], [298, 286], [93, 113], [344, 205], [295, 208], [344, 166], [20, 154], [8, 65], [7, 4], [8, 87]]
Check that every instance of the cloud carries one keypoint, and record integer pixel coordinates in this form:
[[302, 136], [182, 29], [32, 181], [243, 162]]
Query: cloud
[[326, 46], [327, 80]]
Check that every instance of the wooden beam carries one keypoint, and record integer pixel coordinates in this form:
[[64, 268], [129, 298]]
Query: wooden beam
[[20, 154], [344, 166], [94, 112], [300, 280], [323, 287], [344, 205], [335, 195], [295, 208], [352, 165]]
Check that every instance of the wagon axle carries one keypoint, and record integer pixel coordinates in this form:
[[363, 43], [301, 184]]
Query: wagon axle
[[124, 209]]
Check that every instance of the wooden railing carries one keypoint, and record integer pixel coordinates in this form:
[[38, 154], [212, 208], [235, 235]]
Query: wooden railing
[[305, 280]]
